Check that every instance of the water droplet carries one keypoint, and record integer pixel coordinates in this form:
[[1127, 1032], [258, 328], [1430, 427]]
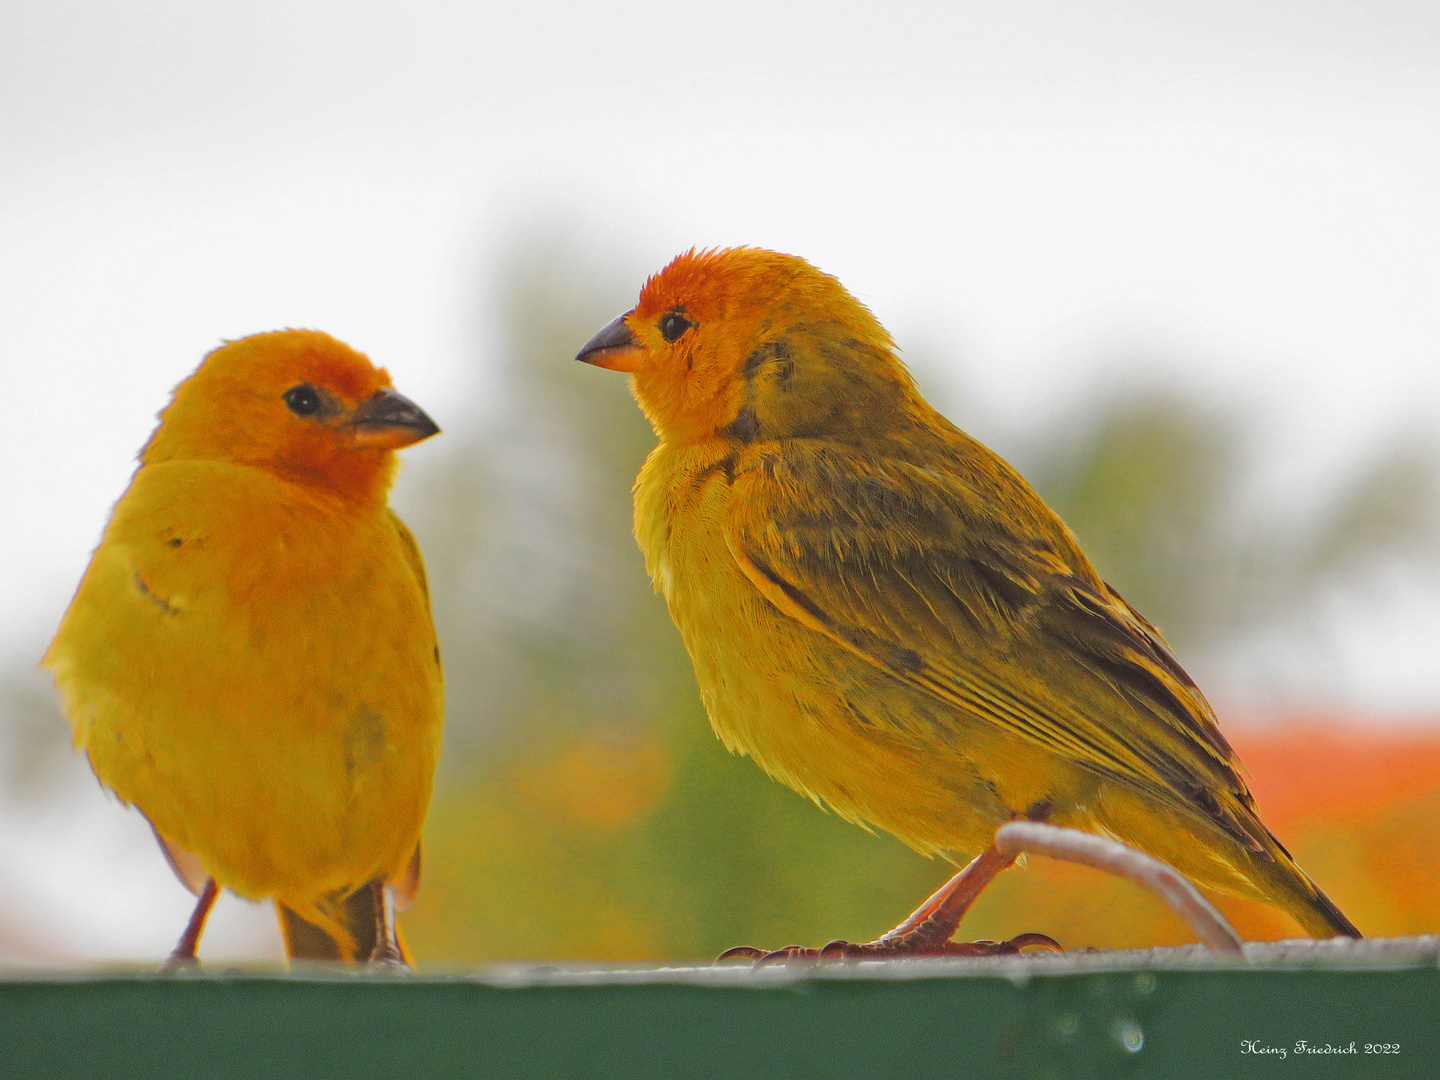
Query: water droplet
[[1130, 1035], [1145, 982], [1067, 1024]]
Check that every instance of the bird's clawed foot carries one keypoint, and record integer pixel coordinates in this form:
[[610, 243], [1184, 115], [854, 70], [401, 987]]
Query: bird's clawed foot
[[388, 958], [176, 965], [926, 932], [844, 950], [883, 949]]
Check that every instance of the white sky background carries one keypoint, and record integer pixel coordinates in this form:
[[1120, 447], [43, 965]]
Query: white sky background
[[1245, 194]]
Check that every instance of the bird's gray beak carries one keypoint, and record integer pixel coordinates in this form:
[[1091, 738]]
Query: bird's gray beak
[[388, 420], [614, 348]]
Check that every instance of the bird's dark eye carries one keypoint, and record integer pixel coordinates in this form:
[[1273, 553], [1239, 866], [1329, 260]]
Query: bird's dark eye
[[673, 325], [304, 400]]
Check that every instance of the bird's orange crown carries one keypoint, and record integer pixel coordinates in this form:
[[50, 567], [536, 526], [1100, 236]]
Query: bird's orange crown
[[297, 403], [744, 342]]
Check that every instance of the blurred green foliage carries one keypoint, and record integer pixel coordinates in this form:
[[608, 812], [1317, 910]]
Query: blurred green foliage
[[1155, 488]]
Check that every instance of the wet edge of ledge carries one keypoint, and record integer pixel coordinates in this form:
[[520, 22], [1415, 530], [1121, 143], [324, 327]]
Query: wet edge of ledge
[[1301, 954]]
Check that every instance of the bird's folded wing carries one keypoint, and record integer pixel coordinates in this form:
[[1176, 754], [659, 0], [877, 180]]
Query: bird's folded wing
[[187, 867], [913, 570], [407, 885], [412, 555]]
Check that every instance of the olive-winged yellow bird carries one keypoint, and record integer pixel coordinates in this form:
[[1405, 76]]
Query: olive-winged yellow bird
[[885, 616], [249, 658]]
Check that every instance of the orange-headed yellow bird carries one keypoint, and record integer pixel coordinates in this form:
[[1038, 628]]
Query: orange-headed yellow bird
[[885, 616], [249, 658]]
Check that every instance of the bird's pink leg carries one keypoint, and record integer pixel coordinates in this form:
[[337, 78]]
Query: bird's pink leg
[[183, 955], [925, 932], [937, 918]]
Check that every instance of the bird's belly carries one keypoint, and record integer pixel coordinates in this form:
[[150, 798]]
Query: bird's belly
[[276, 809], [828, 724], [292, 762]]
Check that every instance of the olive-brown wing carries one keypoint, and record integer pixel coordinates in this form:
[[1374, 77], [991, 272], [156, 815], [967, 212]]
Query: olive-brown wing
[[921, 572]]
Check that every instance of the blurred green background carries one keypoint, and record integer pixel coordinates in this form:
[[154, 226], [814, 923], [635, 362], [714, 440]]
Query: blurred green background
[[584, 809], [1175, 260]]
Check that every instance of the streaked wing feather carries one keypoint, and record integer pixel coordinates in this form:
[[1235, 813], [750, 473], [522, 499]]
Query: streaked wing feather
[[403, 889], [910, 569], [412, 556]]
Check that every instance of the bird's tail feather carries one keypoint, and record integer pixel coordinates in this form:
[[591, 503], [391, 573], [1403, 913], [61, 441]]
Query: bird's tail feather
[[1318, 914], [1293, 889], [1283, 883], [350, 931]]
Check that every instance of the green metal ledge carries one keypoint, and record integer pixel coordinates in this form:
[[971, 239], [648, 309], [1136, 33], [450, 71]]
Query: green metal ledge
[[1165, 1013]]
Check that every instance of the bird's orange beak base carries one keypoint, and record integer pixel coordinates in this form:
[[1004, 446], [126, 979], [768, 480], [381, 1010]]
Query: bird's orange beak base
[[614, 348]]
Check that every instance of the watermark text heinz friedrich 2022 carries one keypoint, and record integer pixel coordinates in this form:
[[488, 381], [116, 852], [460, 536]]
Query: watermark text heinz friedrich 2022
[[1302, 1048]]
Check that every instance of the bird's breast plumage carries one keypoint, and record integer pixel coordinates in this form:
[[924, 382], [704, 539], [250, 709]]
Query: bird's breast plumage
[[873, 638], [809, 712], [254, 666]]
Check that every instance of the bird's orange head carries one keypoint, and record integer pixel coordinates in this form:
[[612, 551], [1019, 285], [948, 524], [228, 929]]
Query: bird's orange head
[[296, 403], [747, 344]]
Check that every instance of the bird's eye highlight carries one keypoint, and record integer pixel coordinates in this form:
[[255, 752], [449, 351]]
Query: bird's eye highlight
[[673, 325], [303, 400]]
